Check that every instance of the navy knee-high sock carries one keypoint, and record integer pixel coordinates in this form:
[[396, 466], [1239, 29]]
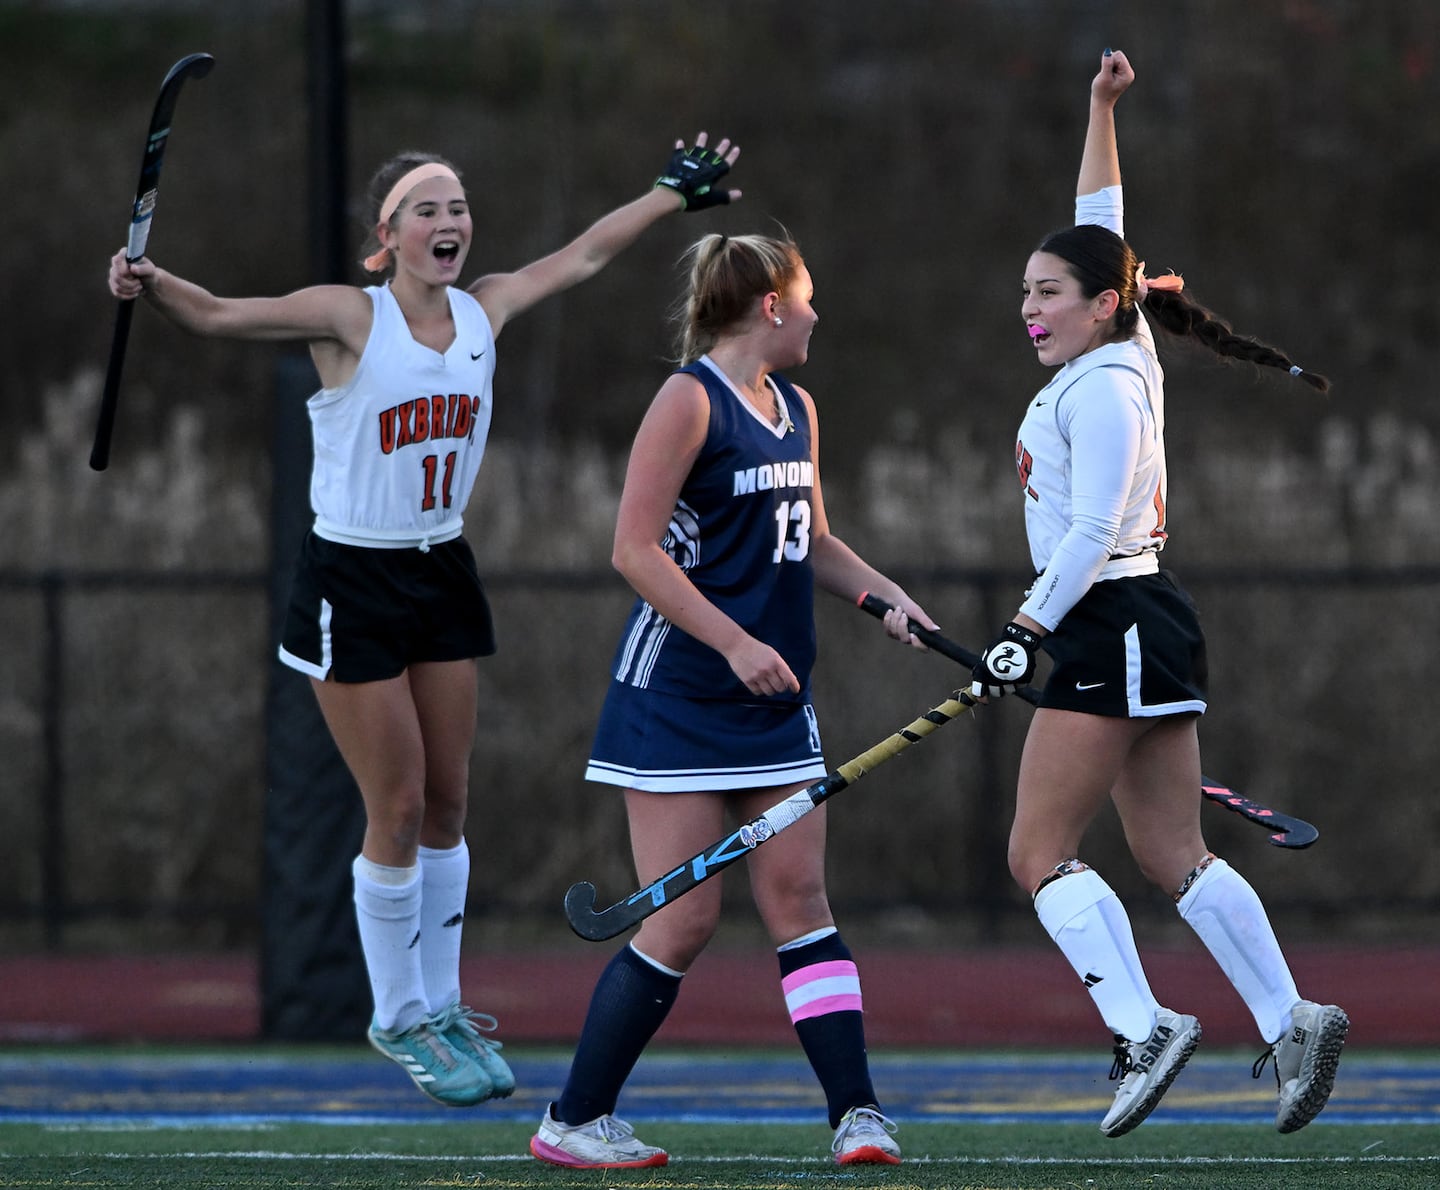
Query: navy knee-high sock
[[632, 997], [822, 993]]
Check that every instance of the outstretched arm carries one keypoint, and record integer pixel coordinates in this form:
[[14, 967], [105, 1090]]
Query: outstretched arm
[[1100, 162], [504, 295], [322, 312]]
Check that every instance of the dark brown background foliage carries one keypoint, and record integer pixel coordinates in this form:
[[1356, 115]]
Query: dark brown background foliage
[[1282, 156]]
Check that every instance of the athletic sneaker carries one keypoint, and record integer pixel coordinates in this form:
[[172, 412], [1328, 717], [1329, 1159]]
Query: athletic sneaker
[[603, 1143], [1305, 1062], [437, 1067], [864, 1138], [1147, 1068], [463, 1027]]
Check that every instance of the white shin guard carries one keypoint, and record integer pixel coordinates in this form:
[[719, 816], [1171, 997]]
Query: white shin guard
[[1225, 911], [444, 882], [388, 914], [1089, 925]]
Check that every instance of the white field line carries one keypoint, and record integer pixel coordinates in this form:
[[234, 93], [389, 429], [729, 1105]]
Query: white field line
[[500, 1159]]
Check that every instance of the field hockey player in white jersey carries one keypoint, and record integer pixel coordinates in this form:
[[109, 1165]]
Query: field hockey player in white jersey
[[723, 535], [387, 614], [1121, 703]]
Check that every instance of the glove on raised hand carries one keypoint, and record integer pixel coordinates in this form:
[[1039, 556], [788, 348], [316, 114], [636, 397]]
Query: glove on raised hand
[[1006, 664], [692, 173]]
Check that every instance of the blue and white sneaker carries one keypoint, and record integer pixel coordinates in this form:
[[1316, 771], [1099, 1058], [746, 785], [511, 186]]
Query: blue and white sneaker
[[464, 1029], [435, 1065]]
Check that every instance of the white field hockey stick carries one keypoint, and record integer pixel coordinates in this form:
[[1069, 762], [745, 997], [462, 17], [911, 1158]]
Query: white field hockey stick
[[193, 66], [596, 927], [1294, 833]]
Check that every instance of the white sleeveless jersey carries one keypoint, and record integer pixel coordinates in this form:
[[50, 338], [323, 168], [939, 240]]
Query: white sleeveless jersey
[[397, 449], [1091, 459]]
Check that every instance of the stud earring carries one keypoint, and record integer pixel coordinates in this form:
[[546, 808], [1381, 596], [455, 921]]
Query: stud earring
[[779, 322]]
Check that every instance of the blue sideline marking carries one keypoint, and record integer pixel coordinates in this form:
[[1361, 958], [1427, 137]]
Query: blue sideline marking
[[254, 1087]]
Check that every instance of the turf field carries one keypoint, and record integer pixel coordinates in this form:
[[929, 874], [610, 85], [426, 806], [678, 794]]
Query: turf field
[[288, 1117], [739, 1156]]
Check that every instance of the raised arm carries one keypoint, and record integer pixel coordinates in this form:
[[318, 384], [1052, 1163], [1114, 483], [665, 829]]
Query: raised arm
[[688, 183], [1100, 162], [338, 313]]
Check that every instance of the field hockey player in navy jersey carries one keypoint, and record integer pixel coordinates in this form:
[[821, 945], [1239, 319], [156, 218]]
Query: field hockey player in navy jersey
[[722, 533]]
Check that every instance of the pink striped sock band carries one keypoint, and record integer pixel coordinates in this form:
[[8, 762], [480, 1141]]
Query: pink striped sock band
[[822, 988]]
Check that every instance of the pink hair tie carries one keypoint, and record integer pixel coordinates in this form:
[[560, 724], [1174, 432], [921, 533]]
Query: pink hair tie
[[1171, 281]]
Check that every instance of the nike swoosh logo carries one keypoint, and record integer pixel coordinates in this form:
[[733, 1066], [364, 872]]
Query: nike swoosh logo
[[474, 355], [1088, 685]]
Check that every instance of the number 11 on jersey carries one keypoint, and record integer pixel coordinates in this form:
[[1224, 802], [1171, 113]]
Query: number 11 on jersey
[[431, 465]]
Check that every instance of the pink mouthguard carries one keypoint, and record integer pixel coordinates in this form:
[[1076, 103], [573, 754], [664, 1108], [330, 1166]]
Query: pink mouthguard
[[1037, 331]]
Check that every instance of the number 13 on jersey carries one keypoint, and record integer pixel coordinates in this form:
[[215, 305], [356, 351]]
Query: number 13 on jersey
[[792, 531]]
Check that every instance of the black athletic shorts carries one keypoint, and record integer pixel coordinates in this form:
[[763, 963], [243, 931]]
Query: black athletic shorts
[[1131, 648], [362, 615]]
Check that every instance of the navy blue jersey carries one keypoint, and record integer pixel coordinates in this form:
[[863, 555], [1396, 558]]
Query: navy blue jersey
[[741, 533]]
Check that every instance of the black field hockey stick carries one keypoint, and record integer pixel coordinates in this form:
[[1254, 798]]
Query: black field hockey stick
[[596, 927], [1294, 833], [194, 66]]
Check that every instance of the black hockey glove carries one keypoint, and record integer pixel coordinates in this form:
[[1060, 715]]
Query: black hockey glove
[[1006, 664], [692, 173]]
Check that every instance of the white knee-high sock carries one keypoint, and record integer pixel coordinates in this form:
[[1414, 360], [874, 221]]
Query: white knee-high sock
[[1227, 914], [444, 881], [1090, 926], [387, 907]]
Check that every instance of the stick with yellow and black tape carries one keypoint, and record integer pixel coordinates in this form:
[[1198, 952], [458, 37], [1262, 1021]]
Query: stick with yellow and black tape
[[607, 923]]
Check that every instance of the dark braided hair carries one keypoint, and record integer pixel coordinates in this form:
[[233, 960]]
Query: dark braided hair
[[1101, 260]]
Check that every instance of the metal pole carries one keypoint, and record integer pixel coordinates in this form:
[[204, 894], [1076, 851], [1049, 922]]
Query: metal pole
[[52, 807], [312, 974], [328, 150]]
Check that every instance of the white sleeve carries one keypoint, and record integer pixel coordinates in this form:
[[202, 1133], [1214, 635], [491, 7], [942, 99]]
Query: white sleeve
[[1105, 207], [1104, 424]]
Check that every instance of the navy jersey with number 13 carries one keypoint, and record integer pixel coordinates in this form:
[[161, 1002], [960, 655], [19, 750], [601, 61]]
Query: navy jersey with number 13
[[741, 533]]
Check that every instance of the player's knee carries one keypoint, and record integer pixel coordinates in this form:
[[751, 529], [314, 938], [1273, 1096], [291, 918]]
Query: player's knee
[[444, 817], [398, 816], [792, 917], [1029, 864], [1166, 861], [678, 941]]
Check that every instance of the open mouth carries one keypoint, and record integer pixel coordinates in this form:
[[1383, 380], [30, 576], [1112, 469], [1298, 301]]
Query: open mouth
[[447, 251], [1038, 334]]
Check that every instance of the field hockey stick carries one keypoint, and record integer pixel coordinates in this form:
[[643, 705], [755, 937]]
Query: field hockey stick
[[193, 66], [596, 927], [1294, 833]]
